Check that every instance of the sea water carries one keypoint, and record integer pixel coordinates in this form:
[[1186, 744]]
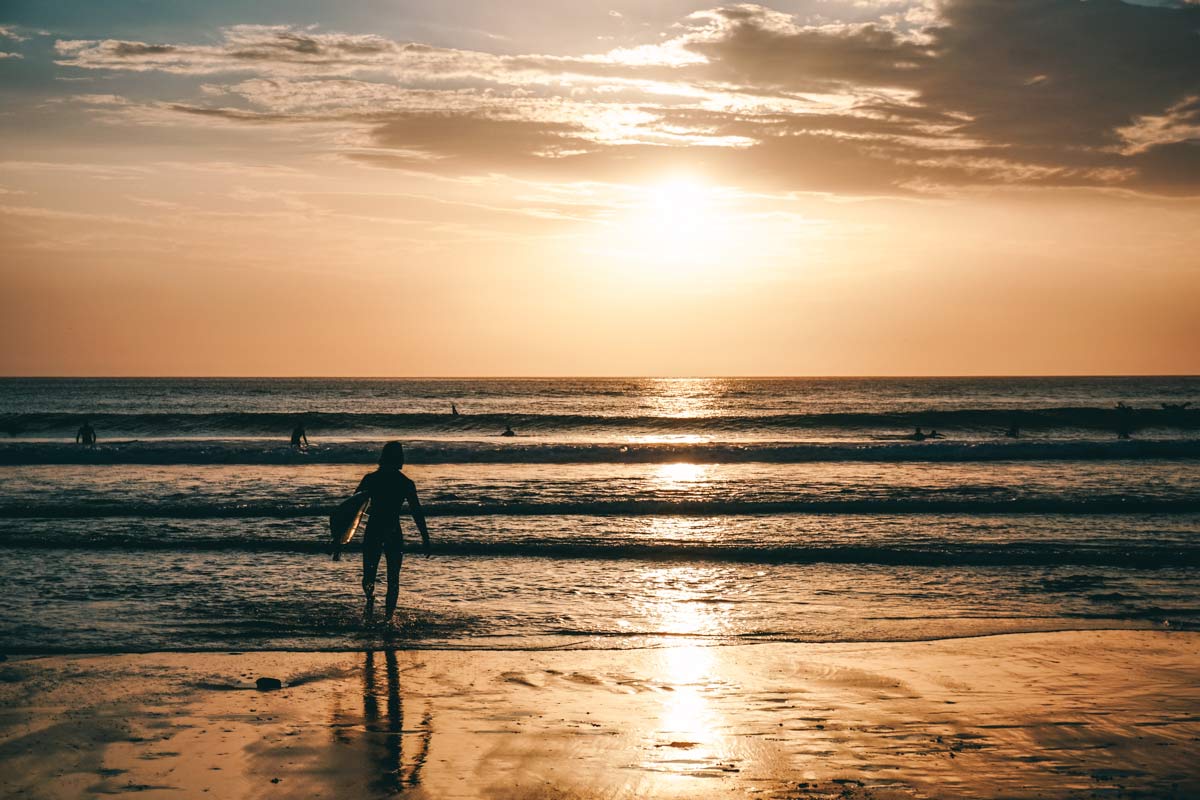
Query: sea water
[[625, 513]]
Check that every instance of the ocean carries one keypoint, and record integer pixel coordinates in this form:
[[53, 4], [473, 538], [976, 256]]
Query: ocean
[[624, 513]]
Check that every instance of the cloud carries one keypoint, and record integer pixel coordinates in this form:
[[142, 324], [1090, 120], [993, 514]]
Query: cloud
[[955, 94], [756, 48], [10, 32], [98, 171], [1179, 123], [279, 50], [1055, 91], [1059, 73]]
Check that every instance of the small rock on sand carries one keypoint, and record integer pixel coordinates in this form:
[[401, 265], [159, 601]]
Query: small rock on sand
[[268, 684]]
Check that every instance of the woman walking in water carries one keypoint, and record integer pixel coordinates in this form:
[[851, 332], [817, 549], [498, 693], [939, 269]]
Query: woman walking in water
[[389, 489]]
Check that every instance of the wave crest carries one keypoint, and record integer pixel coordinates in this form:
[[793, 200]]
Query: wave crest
[[1111, 504], [435, 452], [345, 423]]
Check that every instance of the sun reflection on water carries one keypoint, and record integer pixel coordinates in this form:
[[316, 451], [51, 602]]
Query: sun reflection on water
[[683, 397], [682, 601], [674, 475], [690, 530]]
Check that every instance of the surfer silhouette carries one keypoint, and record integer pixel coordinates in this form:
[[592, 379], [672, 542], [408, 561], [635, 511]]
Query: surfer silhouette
[[1124, 420], [508, 431], [86, 435], [389, 489], [454, 411], [299, 436]]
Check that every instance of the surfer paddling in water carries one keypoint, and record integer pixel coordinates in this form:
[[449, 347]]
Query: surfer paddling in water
[[299, 436], [388, 489]]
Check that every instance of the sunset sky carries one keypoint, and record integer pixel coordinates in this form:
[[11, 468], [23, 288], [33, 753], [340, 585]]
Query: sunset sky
[[460, 187]]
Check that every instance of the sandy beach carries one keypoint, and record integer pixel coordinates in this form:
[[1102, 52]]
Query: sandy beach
[[1075, 714]]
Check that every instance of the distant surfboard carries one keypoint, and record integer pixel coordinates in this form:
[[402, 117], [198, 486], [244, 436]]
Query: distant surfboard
[[345, 519]]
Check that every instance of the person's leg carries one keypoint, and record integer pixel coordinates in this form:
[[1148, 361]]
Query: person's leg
[[372, 550], [395, 555]]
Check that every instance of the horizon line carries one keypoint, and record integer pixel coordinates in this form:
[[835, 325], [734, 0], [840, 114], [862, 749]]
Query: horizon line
[[498, 377]]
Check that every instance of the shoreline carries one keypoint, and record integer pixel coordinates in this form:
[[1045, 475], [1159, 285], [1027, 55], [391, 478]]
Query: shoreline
[[668, 641], [1079, 713]]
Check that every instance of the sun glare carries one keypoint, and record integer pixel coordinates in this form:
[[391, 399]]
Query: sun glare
[[681, 474], [677, 226]]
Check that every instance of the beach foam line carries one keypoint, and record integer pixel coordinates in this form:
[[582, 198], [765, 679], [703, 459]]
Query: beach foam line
[[625, 508]]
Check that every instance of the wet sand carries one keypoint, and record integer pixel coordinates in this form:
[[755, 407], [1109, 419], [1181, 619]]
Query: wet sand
[[1063, 715]]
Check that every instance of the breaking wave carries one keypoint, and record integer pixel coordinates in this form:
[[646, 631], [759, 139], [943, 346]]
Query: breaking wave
[[1104, 504], [345, 423], [207, 451]]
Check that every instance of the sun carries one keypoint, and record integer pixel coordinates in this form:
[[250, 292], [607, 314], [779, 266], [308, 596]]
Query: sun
[[677, 225], [678, 231]]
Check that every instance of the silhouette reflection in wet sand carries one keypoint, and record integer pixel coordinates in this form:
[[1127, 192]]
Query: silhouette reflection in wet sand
[[385, 731], [383, 728]]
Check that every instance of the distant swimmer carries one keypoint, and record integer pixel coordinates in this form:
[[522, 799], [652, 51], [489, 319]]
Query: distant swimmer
[[389, 489], [918, 435], [86, 435], [1124, 420], [508, 431], [933, 434], [454, 411], [299, 436]]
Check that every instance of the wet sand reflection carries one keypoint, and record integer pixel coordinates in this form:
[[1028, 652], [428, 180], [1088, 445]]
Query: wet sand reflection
[[969, 718], [689, 739], [394, 755]]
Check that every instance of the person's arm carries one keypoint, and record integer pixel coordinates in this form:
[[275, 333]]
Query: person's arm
[[414, 506]]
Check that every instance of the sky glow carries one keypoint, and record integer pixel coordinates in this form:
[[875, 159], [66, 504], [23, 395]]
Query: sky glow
[[677, 188]]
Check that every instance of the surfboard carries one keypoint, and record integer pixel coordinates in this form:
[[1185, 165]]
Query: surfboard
[[345, 519]]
